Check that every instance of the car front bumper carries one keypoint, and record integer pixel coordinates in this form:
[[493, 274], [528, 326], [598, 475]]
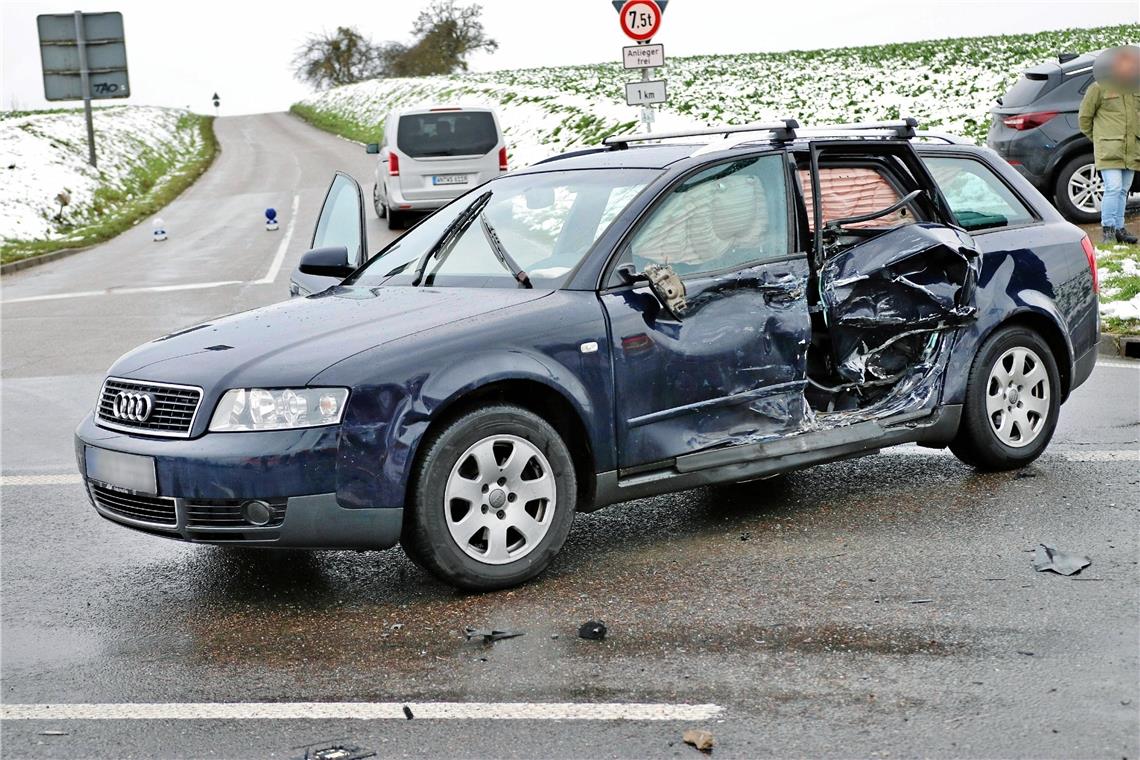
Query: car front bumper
[[205, 484]]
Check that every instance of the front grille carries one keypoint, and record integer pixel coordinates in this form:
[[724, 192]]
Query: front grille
[[151, 509], [171, 412], [226, 513]]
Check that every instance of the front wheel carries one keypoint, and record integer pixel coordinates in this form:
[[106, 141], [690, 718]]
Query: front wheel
[[1079, 190], [1013, 397], [493, 499]]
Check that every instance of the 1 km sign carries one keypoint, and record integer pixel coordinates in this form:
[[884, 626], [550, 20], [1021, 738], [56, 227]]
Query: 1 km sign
[[640, 19]]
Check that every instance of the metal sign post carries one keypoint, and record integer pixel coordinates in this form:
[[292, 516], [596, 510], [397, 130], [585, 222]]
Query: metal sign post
[[84, 57], [640, 20]]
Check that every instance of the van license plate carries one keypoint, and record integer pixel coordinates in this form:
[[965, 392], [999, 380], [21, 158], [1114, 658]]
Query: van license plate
[[129, 472], [449, 179]]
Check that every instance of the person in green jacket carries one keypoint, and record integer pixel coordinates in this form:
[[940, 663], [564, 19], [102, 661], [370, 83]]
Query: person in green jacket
[[1110, 117]]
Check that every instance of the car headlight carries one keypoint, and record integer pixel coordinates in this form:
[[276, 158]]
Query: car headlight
[[244, 409]]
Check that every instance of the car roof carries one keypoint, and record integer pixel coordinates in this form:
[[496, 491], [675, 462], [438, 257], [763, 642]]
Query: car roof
[[439, 108], [665, 155]]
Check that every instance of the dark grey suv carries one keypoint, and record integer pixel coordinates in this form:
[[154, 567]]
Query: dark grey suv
[[1035, 128]]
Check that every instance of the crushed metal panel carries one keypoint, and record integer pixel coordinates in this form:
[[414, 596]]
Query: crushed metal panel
[[884, 298]]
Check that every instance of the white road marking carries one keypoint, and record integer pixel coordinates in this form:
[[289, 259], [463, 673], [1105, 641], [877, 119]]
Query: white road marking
[[1117, 364], [124, 291], [361, 711], [283, 248]]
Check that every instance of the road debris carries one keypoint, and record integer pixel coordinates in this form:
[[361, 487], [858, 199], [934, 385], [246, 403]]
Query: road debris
[[595, 630], [1046, 557], [51, 732], [920, 601], [408, 712], [699, 738], [491, 635], [337, 752]]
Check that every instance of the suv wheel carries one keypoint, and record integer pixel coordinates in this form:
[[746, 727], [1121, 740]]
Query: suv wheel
[[493, 499], [1012, 401], [1079, 190], [377, 204]]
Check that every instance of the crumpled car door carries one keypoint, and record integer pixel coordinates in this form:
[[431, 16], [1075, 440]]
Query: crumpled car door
[[884, 298]]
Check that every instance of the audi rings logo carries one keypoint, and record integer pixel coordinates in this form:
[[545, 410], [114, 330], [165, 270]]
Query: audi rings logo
[[135, 407]]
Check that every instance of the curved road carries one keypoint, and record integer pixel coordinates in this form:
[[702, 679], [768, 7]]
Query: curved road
[[875, 606]]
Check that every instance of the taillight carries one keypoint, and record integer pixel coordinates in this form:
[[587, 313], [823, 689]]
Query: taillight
[[1090, 254], [1023, 121], [393, 164], [502, 159]]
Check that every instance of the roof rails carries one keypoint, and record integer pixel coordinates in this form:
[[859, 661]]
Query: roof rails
[[785, 130], [780, 131]]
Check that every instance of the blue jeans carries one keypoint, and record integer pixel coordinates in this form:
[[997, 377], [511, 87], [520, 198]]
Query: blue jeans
[[1116, 185]]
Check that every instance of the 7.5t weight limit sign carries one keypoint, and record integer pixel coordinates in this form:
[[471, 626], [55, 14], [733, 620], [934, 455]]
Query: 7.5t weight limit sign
[[640, 19]]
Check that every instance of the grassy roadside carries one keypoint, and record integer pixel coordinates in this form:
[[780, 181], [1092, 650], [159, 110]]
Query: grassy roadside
[[157, 181], [1119, 268], [338, 124]]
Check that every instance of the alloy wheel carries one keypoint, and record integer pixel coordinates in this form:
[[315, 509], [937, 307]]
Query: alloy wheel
[[500, 499], [1017, 397], [1086, 189]]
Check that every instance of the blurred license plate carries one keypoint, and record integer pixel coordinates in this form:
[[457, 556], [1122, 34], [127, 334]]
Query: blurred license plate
[[118, 470], [449, 179]]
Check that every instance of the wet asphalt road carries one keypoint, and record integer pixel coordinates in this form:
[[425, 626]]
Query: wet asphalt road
[[876, 607]]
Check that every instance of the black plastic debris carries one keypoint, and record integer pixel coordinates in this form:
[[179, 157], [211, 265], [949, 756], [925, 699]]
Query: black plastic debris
[[1046, 557], [408, 712], [595, 630], [337, 752], [489, 635]]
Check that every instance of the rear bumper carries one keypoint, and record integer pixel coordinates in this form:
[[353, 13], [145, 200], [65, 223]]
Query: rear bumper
[[1083, 367]]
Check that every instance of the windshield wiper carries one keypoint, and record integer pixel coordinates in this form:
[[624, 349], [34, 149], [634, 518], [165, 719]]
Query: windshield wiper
[[501, 253], [441, 249]]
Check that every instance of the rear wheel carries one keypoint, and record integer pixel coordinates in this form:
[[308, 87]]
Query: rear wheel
[[1013, 397], [1079, 190], [377, 204], [493, 500]]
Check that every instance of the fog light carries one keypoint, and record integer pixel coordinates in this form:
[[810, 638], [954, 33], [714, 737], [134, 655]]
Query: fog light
[[256, 513]]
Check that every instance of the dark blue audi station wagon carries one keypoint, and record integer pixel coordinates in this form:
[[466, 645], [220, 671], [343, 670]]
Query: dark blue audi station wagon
[[655, 314]]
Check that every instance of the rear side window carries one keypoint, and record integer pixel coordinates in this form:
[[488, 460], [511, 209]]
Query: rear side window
[[447, 133], [726, 216], [977, 196]]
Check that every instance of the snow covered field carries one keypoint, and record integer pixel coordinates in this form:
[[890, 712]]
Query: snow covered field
[[45, 154], [949, 85]]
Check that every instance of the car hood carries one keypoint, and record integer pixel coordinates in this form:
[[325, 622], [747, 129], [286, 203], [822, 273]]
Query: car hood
[[288, 343]]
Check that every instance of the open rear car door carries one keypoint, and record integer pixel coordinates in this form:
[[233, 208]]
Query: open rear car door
[[894, 280]]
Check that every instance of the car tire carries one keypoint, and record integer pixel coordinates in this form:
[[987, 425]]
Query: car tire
[[496, 456], [1077, 176], [377, 204], [1013, 397]]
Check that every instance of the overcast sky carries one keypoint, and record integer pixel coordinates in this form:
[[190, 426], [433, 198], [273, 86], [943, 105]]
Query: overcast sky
[[181, 53]]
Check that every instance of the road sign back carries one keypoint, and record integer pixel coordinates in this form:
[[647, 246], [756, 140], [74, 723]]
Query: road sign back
[[640, 19]]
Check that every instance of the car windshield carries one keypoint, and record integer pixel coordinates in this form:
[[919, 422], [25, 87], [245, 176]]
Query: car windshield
[[520, 230], [447, 133]]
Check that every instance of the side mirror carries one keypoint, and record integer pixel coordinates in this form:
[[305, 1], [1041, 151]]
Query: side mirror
[[372, 148], [327, 262]]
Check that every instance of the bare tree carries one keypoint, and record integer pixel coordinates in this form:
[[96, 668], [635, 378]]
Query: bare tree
[[328, 60], [446, 34]]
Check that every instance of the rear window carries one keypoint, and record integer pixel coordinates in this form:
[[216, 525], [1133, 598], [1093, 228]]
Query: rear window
[[447, 133], [1028, 89]]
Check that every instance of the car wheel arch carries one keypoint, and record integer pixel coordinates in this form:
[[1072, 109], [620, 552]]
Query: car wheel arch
[[1048, 326], [552, 404]]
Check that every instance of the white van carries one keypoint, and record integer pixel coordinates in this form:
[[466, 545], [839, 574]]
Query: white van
[[430, 156]]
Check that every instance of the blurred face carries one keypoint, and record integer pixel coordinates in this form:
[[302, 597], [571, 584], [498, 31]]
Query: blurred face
[[1119, 68]]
